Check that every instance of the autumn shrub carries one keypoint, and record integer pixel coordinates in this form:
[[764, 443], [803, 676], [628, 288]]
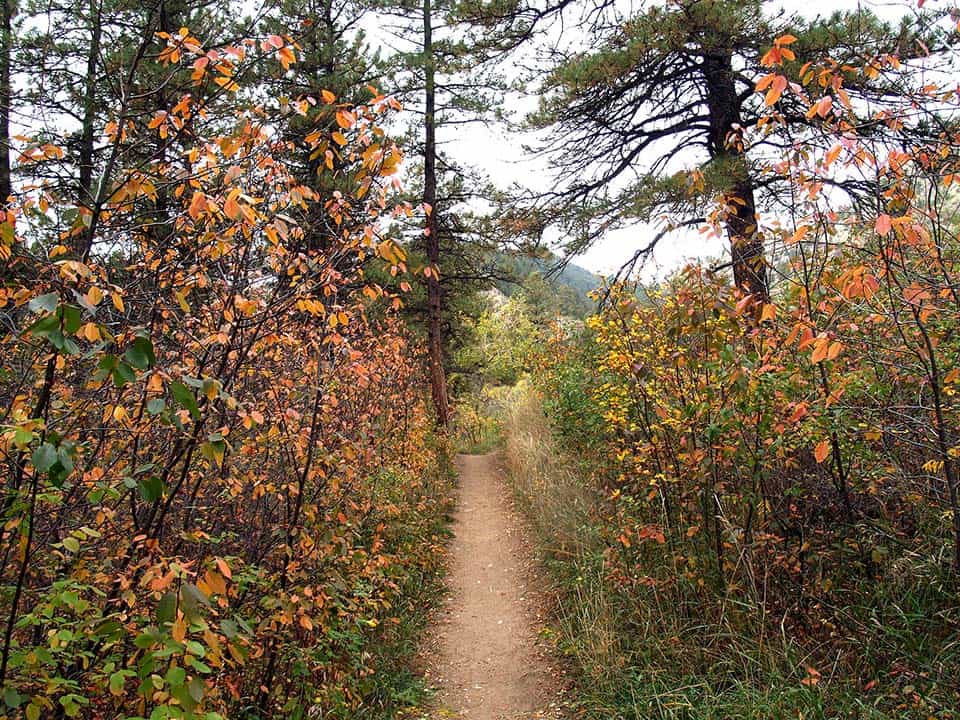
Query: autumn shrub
[[223, 494], [766, 497], [774, 475]]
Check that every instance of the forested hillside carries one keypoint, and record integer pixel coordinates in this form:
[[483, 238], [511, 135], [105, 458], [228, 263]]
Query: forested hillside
[[253, 303]]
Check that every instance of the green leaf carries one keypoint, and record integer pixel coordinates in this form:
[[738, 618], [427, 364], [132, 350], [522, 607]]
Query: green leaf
[[72, 704], [12, 699], [71, 544], [43, 327], [117, 681], [148, 637], [197, 688], [46, 302], [72, 318], [107, 364], [151, 488], [183, 395], [22, 437], [193, 598], [65, 456], [140, 354], [44, 457], [195, 648], [167, 608], [161, 712], [123, 374], [176, 677], [214, 451], [156, 406]]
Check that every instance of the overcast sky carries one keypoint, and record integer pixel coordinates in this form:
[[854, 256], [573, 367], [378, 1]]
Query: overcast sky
[[501, 156]]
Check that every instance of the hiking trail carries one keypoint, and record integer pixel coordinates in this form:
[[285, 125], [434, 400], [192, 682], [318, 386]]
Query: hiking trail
[[488, 662]]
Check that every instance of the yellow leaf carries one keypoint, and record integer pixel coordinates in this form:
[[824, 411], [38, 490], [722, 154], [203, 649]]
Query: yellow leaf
[[117, 301], [94, 296], [181, 298], [91, 332]]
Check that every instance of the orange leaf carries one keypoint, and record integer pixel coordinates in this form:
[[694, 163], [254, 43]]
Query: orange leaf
[[820, 350], [799, 412], [231, 208], [222, 564], [179, 630], [821, 451], [883, 225], [197, 204], [344, 119], [832, 155], [776, 90], [328, 97]]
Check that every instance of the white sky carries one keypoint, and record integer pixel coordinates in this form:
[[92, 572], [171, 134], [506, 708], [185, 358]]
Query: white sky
[[501, 156]]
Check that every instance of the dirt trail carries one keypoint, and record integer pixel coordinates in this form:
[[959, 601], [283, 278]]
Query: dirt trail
[[487, 662]]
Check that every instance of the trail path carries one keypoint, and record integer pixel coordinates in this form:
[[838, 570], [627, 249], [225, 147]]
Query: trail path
[[487, 663]]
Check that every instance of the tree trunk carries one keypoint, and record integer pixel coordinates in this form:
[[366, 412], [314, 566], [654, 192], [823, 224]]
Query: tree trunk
[[438, 380], [6, 98], [740, 215], [85, 193]]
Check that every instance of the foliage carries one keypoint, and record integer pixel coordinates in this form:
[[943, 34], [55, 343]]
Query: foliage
[[772, 517], [653, 116], [222, 492]]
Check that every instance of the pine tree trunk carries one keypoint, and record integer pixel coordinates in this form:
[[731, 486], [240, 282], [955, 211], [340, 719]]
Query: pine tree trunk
[[746, 245], [6, 98], [86, 196], [438, 380]]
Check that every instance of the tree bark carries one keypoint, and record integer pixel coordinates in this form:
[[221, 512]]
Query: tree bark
[[740, 216], [438, 380], [6, 98], [85, 195]]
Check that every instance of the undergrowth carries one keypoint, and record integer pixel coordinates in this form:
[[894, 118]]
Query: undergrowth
[[698, 655]]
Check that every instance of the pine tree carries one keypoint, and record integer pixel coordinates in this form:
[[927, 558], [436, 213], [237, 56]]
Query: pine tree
[[446, 76], [669, 85]]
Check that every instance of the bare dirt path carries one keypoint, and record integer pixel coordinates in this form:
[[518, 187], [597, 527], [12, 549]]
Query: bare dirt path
[[487, 662]]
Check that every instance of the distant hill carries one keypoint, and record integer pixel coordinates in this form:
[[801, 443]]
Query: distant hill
[[567, 290]]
